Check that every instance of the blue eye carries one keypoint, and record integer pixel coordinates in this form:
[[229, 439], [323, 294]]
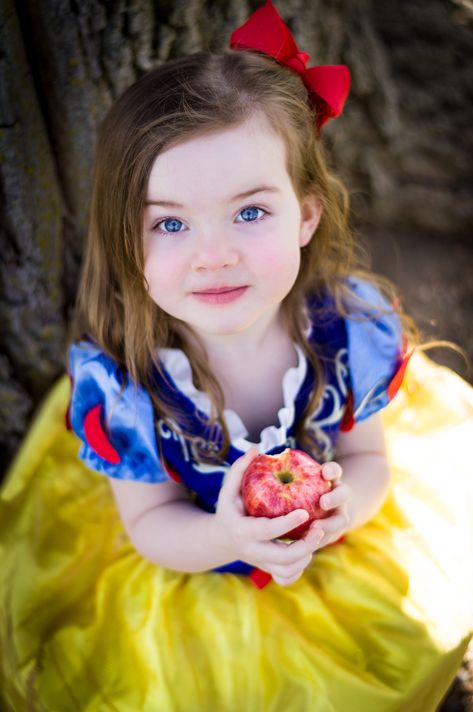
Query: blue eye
[[249, 215], [173, 225], [170, 225]]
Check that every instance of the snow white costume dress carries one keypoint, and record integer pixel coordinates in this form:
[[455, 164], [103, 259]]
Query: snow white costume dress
[[378, 621]]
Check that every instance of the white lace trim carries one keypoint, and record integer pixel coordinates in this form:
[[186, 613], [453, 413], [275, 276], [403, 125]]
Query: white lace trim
[[177, 364]]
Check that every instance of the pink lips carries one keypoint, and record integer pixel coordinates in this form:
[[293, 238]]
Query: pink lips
[[214, 290], [224, 295]]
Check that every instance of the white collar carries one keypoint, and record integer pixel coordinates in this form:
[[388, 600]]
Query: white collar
[[177, 364]]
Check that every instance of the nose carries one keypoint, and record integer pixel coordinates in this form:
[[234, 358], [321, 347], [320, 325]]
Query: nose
[[213, 251]]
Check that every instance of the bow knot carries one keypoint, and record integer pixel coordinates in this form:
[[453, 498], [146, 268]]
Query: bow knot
[[298, 62], [327, 86]]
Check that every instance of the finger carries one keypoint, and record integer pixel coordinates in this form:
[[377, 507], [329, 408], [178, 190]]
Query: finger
[[288, 553], [232, 481], [265, 529], [239, 506], [287, 580], [338, 496], [313, 538], [332, 471], [336, 524], [291, 570]]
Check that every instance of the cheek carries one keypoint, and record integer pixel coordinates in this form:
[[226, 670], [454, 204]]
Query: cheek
[[163, 270], [279, 260]]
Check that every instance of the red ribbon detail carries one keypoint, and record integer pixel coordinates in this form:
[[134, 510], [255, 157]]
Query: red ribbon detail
[[396, 382], [328, 85], [260, 578], [172, 473], [348, 420], [96, 437]]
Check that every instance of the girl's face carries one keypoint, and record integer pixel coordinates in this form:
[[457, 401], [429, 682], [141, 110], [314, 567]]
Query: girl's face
[[221, 211]]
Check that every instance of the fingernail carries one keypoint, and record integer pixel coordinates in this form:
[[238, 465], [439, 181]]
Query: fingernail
[[303, 515]]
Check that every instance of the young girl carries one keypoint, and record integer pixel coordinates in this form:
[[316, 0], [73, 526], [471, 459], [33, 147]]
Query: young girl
[[222, 314]]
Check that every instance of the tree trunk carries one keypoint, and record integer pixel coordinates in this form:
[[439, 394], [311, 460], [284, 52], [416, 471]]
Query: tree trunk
[[403, 144]]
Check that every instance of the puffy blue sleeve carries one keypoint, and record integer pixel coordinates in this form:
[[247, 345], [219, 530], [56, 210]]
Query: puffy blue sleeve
[[375, 348], [117, 430]]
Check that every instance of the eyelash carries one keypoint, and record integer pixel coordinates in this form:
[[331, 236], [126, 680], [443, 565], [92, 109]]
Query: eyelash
[[156, 227]]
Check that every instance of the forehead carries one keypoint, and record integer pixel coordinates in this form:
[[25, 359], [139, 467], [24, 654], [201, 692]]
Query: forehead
[[220, 162]]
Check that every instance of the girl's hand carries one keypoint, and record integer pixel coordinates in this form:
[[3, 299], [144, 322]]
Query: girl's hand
[[337, 524], [252, 539]]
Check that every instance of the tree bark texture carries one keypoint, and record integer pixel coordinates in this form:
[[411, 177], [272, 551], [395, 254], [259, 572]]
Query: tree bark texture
[[403, 144]]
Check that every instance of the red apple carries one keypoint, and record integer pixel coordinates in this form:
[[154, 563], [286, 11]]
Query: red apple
[[273, 485]]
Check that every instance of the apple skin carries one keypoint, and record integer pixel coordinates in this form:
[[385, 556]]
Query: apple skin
[[266, 491]]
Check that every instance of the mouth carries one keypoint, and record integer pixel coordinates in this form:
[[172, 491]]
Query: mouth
[[220, 290], [224, 295]]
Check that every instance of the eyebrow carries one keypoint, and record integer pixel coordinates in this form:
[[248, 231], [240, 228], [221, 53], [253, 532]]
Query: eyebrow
[[245, 194]]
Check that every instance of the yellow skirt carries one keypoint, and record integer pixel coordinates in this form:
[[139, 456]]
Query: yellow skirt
[[378, 623]]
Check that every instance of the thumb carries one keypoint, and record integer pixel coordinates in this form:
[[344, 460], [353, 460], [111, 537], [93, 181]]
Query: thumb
[[232, 482]]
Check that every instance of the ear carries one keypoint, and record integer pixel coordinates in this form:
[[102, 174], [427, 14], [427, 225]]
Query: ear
[[311, 212]]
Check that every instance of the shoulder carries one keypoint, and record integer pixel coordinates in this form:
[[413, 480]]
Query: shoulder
[[366, 311], [367, 345], [372, 325], [113, 417], [94, 373]]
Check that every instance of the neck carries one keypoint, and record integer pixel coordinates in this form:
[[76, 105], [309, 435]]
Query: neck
[[236, 348]]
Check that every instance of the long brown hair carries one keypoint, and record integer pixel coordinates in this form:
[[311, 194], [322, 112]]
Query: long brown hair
[[191, 96]]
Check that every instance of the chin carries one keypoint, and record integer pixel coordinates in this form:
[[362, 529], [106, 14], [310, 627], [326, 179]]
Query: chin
[[224, 323], [225, 329]]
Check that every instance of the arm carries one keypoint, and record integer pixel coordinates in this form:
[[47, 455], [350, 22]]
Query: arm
[[362, 455], [362, 488], [167, 528]]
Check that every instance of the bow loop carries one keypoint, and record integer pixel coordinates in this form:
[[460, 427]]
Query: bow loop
[[266, 32], [328, 88]]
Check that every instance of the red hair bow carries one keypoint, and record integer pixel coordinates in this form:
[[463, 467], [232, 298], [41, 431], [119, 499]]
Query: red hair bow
[[328, 86]]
